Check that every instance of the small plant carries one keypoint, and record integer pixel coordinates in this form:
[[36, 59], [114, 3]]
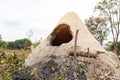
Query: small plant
[[34, 73], [82, 69]]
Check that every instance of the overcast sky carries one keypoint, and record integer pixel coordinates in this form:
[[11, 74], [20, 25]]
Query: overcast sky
[[17, 17]]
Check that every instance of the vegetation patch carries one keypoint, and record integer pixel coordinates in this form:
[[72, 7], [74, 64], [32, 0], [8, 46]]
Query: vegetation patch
[[11, 61]]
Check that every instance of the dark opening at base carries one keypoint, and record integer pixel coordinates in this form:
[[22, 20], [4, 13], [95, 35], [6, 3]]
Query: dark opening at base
[[61, 34]]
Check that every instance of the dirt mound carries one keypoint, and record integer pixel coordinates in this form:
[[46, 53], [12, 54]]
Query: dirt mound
[[68, 68], [56, 68], [62, 38]]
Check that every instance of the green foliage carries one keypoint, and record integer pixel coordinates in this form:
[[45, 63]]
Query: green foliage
[[3, 44], [10, 63], [36, 43], [110, 46], [10, 45], [97, 26], [22, 43], [82, 68], [0, 37], [19, 44]]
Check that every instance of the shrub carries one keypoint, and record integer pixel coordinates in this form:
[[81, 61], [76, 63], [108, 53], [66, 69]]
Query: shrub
[[19, 44], [10, 45], [36, 43], [3, 44]]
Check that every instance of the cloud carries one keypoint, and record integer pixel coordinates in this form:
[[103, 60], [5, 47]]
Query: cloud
[[12, 23], [19, 16]]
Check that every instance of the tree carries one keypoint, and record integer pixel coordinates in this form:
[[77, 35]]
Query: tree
[[3, 44], [97, 26], [27, 42], [110, 11], [10, 45], [22, 43]]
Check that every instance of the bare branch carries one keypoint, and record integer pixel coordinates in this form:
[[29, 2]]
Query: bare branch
[[111, 25], [118, 24]]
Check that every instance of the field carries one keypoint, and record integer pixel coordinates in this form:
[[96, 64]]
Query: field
[[11, 61]]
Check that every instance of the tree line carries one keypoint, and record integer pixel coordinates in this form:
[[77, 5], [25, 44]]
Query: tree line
[[17, 44]]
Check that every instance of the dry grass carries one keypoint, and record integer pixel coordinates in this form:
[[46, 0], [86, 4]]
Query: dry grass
[[11, 61]]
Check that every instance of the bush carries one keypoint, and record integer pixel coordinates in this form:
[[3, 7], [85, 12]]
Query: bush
[[19, 44], [110, 46], [3, 44], [36, 43]]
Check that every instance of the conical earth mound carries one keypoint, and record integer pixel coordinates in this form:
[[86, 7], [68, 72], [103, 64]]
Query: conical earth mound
[[54, 58]]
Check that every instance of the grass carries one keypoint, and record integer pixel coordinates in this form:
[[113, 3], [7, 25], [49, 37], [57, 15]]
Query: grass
[[11, 61]]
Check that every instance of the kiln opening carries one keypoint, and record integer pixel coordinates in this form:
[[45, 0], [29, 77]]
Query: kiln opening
[[61, 34]]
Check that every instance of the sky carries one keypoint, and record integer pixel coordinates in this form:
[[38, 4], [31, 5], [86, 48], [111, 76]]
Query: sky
[[19, 17]]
